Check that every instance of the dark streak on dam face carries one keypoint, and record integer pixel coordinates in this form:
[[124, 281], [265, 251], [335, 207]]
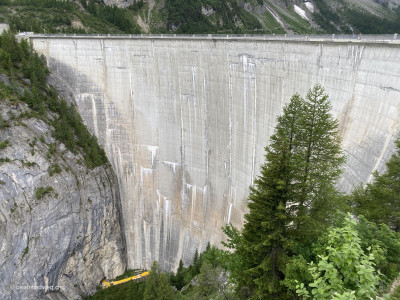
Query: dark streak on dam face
[[184, 121]]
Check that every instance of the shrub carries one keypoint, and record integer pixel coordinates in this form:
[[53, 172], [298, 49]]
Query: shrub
[[40, 192], [54, 168]]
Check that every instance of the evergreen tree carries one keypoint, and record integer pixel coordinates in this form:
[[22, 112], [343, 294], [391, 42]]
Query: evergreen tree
[[196, 262], [157, 285], [379, 201], [178, 280], [317, 164], [296, 184], [210, 283]]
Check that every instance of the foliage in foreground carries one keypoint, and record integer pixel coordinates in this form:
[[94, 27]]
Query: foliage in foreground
[[292, 200], [379, 201], [292, 206], [344, 270]]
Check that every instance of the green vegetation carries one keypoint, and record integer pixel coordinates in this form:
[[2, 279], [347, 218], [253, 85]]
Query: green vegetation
[[194, 16], [272, 26], [127, 291], [52, 16], [14, 208], [111, 14], [288, 204], [227, 16], [26, 249], [30, 164], [343, 268], [4, 144], [3, 123], [379, 201], [157, 285], [40, 192], [53, 169], [4, 159], [337, 18], [19, 62], [396, 294], [293, 20], [299, 239], [292, 208]]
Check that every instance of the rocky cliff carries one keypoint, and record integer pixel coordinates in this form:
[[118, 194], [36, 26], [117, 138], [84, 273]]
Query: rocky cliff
[[60, 229]]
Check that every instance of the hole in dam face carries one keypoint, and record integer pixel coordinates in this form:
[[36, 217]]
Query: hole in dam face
[[184, 121]]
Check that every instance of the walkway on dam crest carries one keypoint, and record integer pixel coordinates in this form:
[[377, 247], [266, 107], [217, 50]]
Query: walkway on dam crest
[[355, 38]]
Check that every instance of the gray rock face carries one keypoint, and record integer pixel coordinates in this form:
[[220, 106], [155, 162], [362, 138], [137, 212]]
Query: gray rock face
[[56, 230], [184, 120], [119, 3]]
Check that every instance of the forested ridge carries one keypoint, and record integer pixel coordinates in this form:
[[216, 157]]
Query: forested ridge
[[301, 238], [200, 16]]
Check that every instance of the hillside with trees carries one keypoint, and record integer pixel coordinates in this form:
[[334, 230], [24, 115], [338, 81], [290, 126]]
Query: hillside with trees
[[202, 16]]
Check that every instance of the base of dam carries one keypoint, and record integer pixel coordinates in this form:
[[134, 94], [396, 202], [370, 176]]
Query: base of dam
[[184, 121]]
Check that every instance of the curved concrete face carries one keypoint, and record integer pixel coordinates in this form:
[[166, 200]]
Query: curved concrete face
[[185, 121]]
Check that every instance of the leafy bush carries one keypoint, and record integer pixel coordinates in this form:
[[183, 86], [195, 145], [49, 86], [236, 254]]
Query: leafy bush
[[343, 269]]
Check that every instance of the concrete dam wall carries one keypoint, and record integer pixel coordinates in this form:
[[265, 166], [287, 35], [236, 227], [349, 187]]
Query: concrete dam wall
[[184, 121]]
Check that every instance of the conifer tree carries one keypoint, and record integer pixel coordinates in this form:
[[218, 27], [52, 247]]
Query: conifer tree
[[379, 201], [157, 285], [296, 182], [179, 278], [316, 167]]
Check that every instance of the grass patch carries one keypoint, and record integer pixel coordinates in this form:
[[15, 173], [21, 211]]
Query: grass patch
[[4, 159], [40, 192], [272, 25], [4, 144], [53, 169], [30, 164]]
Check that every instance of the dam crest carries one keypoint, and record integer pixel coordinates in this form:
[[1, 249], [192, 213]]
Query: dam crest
[[184, 120]]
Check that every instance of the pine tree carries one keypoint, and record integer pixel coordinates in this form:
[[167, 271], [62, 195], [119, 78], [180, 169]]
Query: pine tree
[[157, 285], [179, 278], [303, 161], [379, 201], [317, 166], [196, 262]]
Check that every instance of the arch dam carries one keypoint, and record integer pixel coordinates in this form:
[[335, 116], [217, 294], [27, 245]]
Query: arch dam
[[184, 120]]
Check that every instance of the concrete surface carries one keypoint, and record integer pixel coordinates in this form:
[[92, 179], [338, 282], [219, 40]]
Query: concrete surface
[[184, 120]]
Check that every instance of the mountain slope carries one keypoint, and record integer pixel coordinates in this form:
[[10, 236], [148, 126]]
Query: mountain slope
[[59, 198], [203, 16]]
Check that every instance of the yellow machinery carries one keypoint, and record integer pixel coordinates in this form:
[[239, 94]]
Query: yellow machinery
[[106, 284]]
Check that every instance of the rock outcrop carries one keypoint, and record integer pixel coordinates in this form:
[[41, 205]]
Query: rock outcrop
[[60, 229]]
